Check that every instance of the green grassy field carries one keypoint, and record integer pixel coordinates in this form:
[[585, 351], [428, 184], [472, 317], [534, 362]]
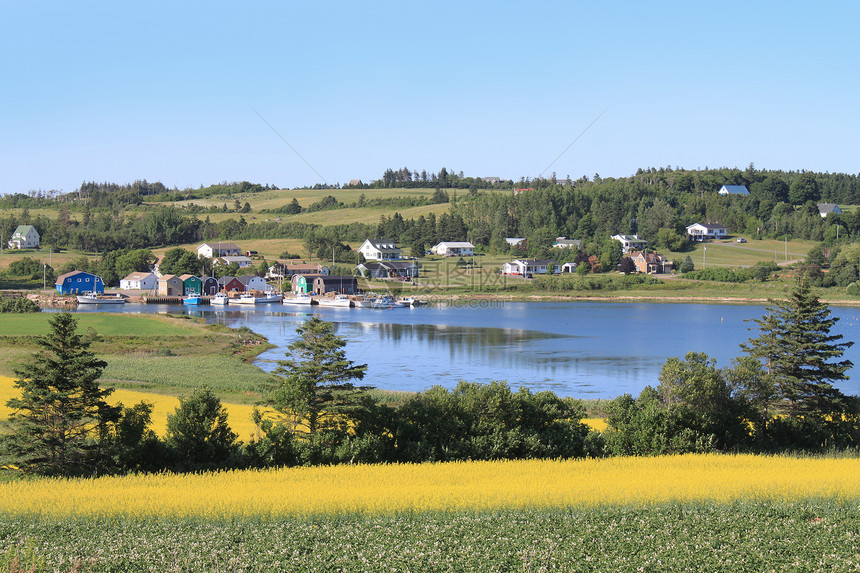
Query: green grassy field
[[152, 353], [105, 324], [728, 253]]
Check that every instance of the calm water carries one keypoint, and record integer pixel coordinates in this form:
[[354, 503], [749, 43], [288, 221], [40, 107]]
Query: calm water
[[579, 349]]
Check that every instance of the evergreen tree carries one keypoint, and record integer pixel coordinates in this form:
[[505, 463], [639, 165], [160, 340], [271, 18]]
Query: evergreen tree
[[687, 266], [316, 392], [198, 434], [796, 347], [60, 420]]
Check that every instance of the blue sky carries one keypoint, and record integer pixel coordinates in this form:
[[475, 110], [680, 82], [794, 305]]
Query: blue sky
[[171, 92]]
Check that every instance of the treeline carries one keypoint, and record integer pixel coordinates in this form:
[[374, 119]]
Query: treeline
[[658, 205], [408, 178]]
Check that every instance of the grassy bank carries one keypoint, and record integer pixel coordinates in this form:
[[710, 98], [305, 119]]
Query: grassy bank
[[153, 353]]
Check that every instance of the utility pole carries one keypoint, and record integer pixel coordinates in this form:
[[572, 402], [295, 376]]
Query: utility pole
[[704, 254]]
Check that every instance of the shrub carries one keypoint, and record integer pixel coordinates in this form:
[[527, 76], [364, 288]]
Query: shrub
[[20, 305]]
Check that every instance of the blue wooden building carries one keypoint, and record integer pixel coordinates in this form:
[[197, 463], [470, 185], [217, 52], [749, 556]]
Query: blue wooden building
[[77, 282]]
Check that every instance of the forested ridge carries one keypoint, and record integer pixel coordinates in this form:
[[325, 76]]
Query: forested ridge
[[655, 203]]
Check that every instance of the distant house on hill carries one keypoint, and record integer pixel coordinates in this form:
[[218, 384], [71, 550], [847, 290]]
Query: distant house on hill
[[705, 231], [491, 180], [734, 190], [529, 267], [630, 242], [241, 260], [286, 270], [218, 249], [380, 250], [825, 209], [24, 237], [388, 269], [354, 182], [454, 249], [565, 243]]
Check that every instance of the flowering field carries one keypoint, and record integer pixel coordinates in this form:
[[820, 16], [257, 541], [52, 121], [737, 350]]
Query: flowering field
[[238, 415], [471, 486]]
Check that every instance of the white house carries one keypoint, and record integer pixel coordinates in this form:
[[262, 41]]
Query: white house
[[24, 237], [388, 269], [630, 242], [705, 231], [529, 267], [286, 270], [241, 260], [734, 190], [381, 251], [565, 243], [139, 281], [253, 282], [218, 249], [825, 209], [454, 249]]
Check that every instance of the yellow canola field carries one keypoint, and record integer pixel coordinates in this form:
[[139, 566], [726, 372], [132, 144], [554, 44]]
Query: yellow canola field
[[386, 489], [238, 415]]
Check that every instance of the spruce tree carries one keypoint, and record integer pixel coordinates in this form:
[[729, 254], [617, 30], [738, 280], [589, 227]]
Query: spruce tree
[[61, 418], [797, 349], [316, 391]]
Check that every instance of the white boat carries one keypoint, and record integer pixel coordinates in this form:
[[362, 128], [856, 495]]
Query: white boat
[[340, 300], [269, 297], [93, 298], [408, 301], [245, 298], [364, 302], [303, 299], [385, 302], [219, 299]]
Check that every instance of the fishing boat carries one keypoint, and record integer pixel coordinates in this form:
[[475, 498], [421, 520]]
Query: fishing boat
[[364, 302], [193, 299], [269, 297], [220, 299], [384, 302], [245, 298], [300, 298], [409, 301], [340, 300], [93, 298]]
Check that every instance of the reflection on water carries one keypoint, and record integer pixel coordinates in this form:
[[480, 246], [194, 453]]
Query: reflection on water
[[574, 349]]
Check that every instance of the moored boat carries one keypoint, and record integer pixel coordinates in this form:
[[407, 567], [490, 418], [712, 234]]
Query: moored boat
[[220, 299], [340, 300], [269, 297], [194, 299], [301, 298], [245, 298], [93, 298]]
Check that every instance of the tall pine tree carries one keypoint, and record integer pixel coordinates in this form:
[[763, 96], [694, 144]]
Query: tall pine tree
[[61, 418], [798, 350]]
